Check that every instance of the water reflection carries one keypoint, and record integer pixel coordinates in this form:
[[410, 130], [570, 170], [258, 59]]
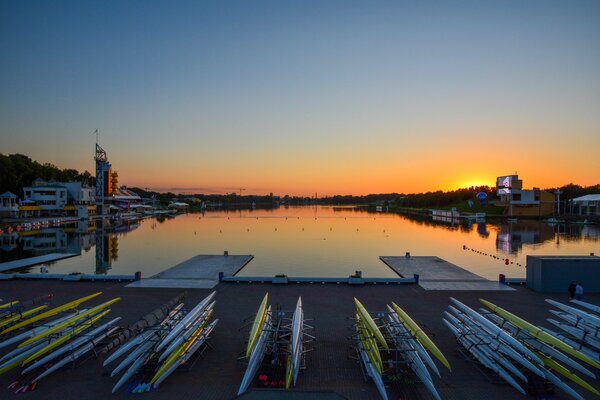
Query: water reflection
[[511, 236], [76, 238], [308, 240]]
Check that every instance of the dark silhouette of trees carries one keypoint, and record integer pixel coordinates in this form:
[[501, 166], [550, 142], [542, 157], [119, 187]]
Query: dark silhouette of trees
[[18, 170]]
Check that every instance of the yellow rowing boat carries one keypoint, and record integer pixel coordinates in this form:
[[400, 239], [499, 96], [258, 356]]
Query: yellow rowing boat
[[370, 324], [50, 313], [20, 316], [538, 333], [420, 335], [70, 322], [257, 326]]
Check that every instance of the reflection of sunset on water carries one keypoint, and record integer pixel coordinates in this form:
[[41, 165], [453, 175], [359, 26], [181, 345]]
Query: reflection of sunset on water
[[336, 241]]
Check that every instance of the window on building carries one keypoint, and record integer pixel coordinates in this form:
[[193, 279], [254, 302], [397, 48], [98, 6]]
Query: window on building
[[516, 197]]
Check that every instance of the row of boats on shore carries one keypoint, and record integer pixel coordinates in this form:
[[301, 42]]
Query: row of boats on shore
[[279, 338], [153, 353], [386, 343], [508, 346]]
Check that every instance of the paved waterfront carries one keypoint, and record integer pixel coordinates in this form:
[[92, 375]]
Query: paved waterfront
[[328, 367]]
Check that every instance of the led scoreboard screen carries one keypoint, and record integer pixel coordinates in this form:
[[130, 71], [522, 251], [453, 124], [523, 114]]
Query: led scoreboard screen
[[504, 184]]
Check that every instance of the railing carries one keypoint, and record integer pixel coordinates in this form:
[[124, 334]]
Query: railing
[[351, 280]]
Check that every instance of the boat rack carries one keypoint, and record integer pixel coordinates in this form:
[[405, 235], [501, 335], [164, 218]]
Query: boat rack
[[488, 374], [271, 373], [535, 386], [396, 367], [21, 382], [150, 367], [92, 353]]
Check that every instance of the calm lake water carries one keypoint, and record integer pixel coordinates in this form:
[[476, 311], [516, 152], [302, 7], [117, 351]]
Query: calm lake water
[[302, 241]]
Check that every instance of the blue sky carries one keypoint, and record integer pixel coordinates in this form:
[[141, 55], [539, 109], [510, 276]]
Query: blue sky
[[290, 96]]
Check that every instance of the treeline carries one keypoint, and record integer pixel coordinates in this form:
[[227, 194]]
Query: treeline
[[572, 191], [230, 198], [440, 198], [381, 198], [18, 170]]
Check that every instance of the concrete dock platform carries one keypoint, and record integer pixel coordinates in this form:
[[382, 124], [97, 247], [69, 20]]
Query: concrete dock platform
[[329, 366], [199, 272], [31, 261], [438, 274]]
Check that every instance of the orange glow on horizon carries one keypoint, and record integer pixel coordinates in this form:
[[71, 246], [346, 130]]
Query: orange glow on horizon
[[355, 167]]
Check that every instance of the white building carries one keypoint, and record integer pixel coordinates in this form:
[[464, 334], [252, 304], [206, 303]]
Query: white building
[[78, 193], [49, 197], [8, 204], [587, 205], [57, 196]]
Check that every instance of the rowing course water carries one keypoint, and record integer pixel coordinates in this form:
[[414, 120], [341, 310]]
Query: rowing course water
[[305, 241]]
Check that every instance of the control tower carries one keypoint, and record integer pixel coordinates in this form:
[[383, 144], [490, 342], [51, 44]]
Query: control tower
[[104, 190]]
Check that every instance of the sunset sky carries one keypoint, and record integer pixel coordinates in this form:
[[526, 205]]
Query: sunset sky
[[298, 97]]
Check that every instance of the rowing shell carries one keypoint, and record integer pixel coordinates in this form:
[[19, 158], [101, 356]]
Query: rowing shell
[[66, 337], [539, 333], [370, 325], [31, 333], [297, 328], [144, 336], [185, 352], [587, 317], [21, 316], [186, 321], [589, 306], [369, 344], [371, 371], [482, 357], [494, 344], [400, 336], [257, 325], [568, 374], [475, 340], [540, 346], [72, 346], [50, 313], [423, 354], [420, 335], [495, 330], [69, 322], [257, 354]]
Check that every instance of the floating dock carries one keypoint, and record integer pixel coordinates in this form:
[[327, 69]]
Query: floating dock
[[31, 261], [438, 274], [199, 272]]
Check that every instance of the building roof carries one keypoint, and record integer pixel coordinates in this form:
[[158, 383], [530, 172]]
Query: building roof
[[125, 194], [588, 197], [8, 195]]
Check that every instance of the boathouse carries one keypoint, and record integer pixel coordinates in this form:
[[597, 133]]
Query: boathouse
[[588, 205], [553, 274]]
